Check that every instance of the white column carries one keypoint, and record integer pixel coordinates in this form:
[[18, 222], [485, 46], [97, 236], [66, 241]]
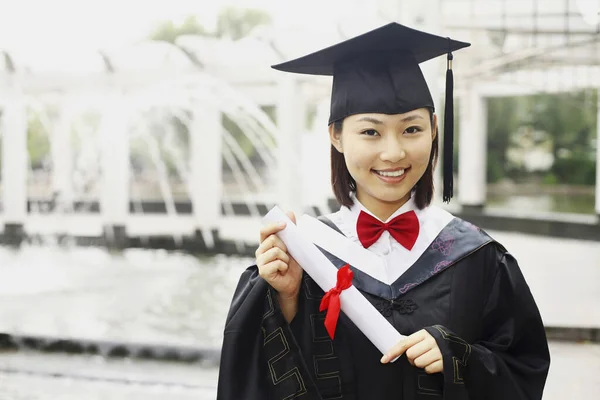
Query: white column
[[206, 155], [115, 161], [291, 123], [472, 149], [316, 177], [14, 156], [62, 160], [598, 157]]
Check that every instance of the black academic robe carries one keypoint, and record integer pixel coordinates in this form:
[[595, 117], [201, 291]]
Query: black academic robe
[[466, 290]]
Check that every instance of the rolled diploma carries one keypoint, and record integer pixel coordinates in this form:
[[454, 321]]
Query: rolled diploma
[[366, 317]]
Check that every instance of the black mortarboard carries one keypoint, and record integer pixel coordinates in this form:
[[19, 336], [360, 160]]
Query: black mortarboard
[[378, 72]]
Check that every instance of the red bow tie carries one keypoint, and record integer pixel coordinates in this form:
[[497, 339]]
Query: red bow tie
[[404, 228]]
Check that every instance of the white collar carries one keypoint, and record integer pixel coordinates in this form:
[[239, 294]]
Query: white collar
[[350, 214], [347, 247]]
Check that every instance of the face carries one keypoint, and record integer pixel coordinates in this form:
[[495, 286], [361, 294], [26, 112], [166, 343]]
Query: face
[[386, 155]]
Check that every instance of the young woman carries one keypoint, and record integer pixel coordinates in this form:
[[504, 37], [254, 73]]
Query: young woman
[[473, 329]]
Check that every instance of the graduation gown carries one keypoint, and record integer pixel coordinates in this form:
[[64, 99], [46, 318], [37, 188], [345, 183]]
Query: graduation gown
[[466, 290]]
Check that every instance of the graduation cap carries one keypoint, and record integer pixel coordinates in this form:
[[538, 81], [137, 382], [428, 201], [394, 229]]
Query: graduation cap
[[378, 72]]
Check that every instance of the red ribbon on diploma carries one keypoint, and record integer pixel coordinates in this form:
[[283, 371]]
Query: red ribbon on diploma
[[331, 300]]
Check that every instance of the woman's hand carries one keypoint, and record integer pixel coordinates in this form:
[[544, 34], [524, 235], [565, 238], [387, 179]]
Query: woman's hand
[[278, 268], [421, 350]]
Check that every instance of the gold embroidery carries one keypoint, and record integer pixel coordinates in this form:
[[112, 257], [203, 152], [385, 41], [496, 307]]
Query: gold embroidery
[[294, 373], [278, 340], [327, 344], [456, 362]]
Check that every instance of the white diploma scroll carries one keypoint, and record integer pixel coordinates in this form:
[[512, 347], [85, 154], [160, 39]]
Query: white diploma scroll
[[366, 317]]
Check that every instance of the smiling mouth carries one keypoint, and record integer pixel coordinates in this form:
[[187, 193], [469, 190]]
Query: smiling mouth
[[392, 174]]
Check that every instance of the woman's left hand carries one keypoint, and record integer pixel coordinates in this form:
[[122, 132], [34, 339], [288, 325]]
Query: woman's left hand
[[421, 350]]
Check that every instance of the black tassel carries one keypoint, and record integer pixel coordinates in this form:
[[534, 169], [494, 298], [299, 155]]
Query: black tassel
[[449, 133]]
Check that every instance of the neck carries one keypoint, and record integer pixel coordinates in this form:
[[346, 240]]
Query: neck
[[381, 209]]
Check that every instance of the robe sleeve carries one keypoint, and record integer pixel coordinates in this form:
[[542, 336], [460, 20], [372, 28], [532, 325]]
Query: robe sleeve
[[511, 360], [260, 358]]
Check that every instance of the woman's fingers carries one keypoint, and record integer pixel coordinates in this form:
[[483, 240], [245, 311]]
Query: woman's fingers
[[275, 227], [268, 243], [419, 349], [274, 253], [268, 270], [403, 346], [270, 229], [291, 216], [436, 367], [428, 358]]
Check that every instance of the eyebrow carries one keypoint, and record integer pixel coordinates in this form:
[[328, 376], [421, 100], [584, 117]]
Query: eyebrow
[[378, 122], [371, 120]]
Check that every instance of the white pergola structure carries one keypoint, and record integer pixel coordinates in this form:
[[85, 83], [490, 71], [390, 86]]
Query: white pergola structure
[[519, 47], [103, 80], [524, 47]]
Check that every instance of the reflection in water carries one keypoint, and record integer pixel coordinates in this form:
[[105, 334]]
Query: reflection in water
[[141, 296], [198, 305]]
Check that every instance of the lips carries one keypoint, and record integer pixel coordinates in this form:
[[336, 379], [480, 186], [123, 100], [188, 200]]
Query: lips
[[395, 175], [391, 172]]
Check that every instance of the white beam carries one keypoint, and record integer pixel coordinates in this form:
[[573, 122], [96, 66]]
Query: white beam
[[316, 151], [206, 154], [598, 157], [291, 121], [114, 137], [62, 158], [14, 154], [472, 149]]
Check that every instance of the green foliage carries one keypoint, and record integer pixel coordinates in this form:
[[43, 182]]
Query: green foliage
[[567, 119], [167, 31], [496, 168], [549, 179], [577, 169], [235, 23], [503, 120], [232, 23]]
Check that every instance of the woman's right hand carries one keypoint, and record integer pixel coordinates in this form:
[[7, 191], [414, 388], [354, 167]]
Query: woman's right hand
[[275, 265]]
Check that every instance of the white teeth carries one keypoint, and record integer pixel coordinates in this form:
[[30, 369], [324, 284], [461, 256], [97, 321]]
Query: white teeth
[[392, 174]]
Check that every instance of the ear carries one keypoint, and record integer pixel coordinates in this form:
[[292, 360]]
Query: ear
[[434, 128], [335, 139]]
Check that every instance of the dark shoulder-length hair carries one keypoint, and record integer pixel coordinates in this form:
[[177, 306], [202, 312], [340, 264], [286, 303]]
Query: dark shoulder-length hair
[[343, 183]]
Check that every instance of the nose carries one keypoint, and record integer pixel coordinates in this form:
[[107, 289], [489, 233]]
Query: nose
[[392, 151]]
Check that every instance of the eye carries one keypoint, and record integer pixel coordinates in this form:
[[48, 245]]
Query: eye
[[370, 132], [413, 129]]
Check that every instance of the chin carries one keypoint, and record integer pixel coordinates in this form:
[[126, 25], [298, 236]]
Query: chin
[[387, 197], [389, 194]]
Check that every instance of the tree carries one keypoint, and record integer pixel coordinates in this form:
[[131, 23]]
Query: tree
[[568, 117], [570, 120], [232, 23], [167, 31], [503, 120], [235, 23]]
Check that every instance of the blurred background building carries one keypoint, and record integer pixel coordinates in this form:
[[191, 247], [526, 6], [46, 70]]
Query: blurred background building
[[142, 141]]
